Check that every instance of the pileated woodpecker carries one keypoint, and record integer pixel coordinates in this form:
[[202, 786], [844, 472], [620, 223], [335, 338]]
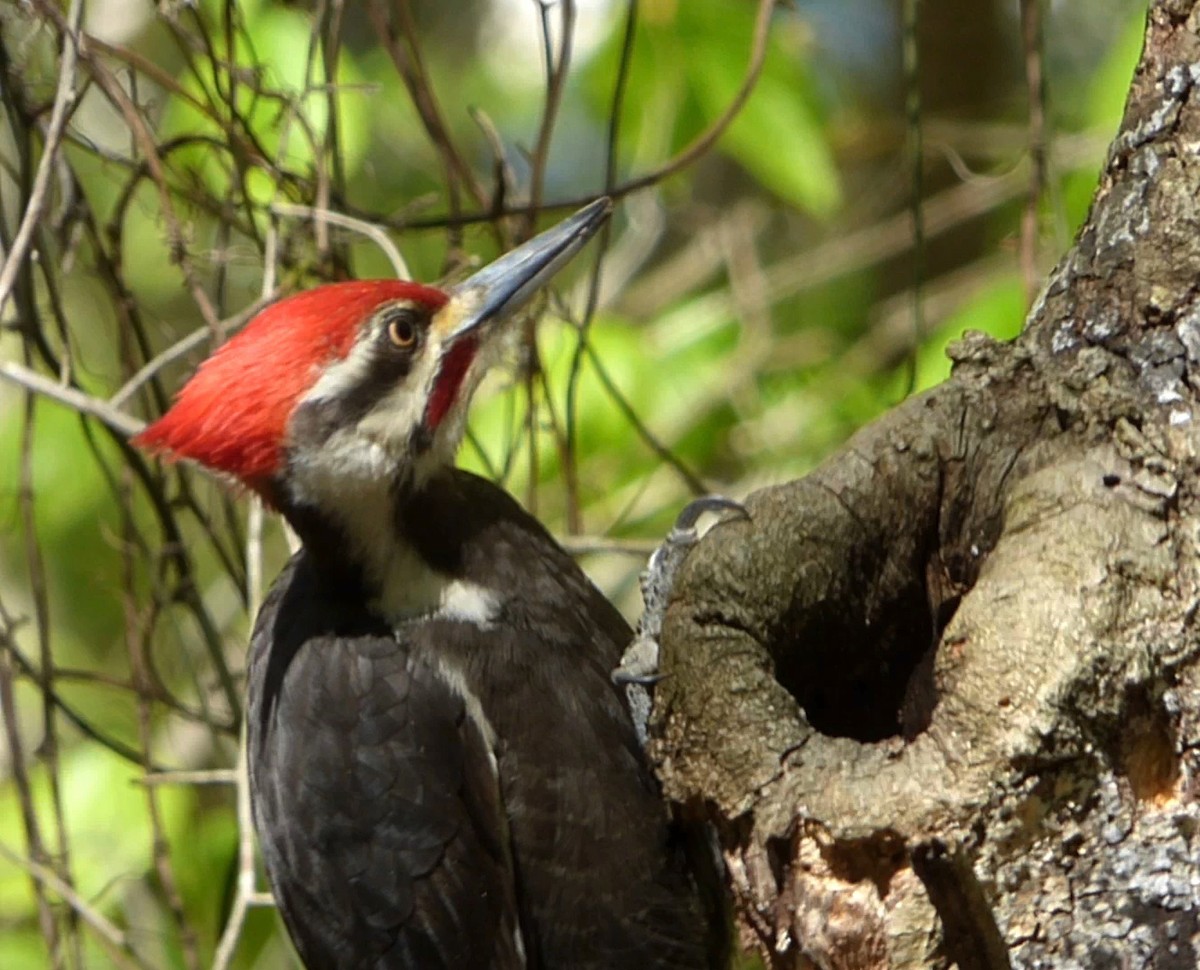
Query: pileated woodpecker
[[442, 773]]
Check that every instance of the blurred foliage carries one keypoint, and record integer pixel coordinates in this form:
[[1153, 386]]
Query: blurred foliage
[[755, 308]]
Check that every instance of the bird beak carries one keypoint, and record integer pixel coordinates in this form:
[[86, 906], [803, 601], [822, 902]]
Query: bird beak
[[465, 324], [504, 286]]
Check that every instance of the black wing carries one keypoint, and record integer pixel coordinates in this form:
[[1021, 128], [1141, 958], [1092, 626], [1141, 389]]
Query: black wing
[[601, 875], [375, 794], [603, 882]]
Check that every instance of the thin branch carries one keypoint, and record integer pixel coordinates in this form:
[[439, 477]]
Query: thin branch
[[35, 564], [689, 154], [35, 207], [320, 154], [183, 347], [570, 458], [406, 56], [19, 771], [503, 171], [663, 453], [138, 636], [362, 227], [8, 644], [557, 69], [77, 400], [701, 144], [140, 133], [915, 136], [246, 894], [214, 776], [117, 943], [1033, 41]]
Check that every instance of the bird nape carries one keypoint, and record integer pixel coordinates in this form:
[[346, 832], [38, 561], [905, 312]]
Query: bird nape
[[442, 773]]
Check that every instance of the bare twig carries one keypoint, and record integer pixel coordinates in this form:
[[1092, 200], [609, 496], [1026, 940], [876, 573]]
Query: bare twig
[[557, 69], [116, 942], [20, 775], [146, 144], [660, 450], [183, 347], [864, 247], [1032, 42], [88, 730], [363, 228], [503, 171], [73, 398], [686, 156], [915, 138], [246, 892], [138, 639], [214, 776], [704, 141], [569, 444], [406, 56], [35, 206]]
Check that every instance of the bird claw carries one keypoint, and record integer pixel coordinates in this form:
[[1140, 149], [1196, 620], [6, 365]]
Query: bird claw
[[639, 669], [658, 579], [639, 663], [690, 514], [623, 677]]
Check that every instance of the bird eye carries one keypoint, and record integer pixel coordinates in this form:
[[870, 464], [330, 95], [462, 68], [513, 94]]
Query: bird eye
[[402, 331]]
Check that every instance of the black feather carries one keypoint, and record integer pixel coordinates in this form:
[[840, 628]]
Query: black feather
[[429, 795]]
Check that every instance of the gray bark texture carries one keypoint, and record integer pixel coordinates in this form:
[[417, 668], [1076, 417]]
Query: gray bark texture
[[941, 698]]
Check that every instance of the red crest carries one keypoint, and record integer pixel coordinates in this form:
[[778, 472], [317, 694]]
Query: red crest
[[233, 414]]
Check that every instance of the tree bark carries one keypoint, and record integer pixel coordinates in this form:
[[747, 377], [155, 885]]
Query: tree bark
[[941, 698]]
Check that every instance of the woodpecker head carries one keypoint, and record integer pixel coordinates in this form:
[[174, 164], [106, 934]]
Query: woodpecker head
[[352, 383]]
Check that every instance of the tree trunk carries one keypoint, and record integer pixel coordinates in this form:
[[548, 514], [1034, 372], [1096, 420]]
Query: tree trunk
[[941, 698]]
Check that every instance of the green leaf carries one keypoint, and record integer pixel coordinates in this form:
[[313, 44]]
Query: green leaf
[[777, 135]]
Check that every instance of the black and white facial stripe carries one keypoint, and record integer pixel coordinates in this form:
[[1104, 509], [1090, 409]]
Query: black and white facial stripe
[[382, 359]]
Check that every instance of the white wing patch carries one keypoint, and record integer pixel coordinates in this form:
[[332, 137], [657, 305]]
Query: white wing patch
[[457, 682], [468, 602]]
